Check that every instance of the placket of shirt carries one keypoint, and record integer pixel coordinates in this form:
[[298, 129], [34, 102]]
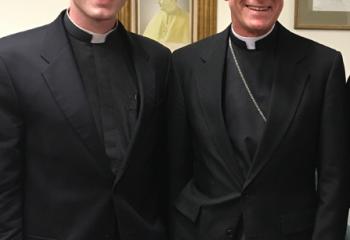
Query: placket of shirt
[[107, 112]]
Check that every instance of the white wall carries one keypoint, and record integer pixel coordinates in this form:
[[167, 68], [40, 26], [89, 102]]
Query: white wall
[[339, 40]]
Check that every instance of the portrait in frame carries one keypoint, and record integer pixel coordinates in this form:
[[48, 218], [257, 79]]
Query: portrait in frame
[[322, 14], [174, 23]]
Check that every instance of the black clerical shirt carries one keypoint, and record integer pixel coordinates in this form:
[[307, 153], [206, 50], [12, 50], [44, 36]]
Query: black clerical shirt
[[243, 121], [111, 87]]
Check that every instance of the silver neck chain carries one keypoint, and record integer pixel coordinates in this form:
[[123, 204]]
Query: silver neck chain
[[245, 83]]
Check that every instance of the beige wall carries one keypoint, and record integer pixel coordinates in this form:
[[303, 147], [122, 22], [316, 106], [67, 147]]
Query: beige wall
[[18, 15], [339, 40]]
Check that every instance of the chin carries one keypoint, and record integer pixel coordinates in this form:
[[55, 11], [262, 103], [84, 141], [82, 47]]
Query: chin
[[103, 16], [260, 29]]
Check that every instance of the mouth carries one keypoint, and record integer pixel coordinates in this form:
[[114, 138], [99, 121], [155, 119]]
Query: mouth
[[258, 8]]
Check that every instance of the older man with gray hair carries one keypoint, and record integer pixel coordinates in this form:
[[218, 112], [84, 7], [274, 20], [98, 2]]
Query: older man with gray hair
[[258, 137]]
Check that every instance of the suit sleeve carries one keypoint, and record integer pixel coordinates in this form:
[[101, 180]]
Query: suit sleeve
[[333, 166], [348, 99], [11, 159], [179, 141]]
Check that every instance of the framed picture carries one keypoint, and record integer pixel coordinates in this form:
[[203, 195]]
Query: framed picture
[[322, 14], [174, 23]]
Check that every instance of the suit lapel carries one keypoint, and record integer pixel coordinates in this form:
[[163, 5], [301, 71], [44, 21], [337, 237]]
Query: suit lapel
[[210, 75], [289, 83], [146, 82], [64, 81]]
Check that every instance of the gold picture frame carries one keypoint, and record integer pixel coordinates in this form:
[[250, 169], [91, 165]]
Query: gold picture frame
[[203, 17], [319, 14]]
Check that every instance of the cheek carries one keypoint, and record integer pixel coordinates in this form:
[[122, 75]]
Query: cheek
[[279, 7], [236, 10]]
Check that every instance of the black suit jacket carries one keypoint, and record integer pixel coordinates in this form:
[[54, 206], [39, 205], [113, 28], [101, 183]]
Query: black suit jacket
[[55, 178], [306, 131], [348, 85]]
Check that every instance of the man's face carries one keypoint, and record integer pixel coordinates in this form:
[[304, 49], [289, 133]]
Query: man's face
[[96, 10], [254, 17]]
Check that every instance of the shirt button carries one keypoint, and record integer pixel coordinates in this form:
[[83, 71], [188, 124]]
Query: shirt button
[[229, 233]]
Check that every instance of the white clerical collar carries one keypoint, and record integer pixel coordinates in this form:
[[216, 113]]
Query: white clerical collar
[[95, 37], [250, 41]]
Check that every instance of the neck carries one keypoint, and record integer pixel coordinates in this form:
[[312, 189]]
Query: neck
[[251, 40], [90, 24], [260, 36], [250, 34]]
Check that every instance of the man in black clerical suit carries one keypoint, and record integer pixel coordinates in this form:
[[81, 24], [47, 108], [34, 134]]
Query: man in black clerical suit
[[257, 134], [81, 129]]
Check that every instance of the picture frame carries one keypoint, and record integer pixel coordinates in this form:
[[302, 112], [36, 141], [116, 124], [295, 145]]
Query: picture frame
[[322, 14], [202, 18]]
